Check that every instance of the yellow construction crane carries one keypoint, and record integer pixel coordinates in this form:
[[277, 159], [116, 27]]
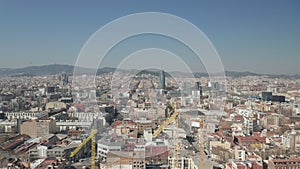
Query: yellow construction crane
[[93, 155], [173, 117], [175, 151], [201, 141], [165, 124], [201, 151]]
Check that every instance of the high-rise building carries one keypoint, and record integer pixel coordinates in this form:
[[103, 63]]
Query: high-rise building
[[197, 85], [199, 88], [162, 80], [63, 78]]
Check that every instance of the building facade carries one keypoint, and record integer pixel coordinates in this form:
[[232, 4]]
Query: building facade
[[38, 127]]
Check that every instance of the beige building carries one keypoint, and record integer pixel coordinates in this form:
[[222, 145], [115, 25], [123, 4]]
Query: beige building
[[56, 105], [38, 127], [271, 120], [223, 144], [292, 163]]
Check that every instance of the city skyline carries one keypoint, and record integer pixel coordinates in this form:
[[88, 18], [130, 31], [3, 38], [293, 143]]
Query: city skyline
[[260, 37], [154, 84]]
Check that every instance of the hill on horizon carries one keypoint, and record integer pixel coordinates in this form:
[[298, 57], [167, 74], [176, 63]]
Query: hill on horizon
[[68, 69]]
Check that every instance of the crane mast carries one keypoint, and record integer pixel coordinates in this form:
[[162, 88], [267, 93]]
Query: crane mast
[[174, 117], [201, 147], [165, 124], [175, 138], [93, 148]]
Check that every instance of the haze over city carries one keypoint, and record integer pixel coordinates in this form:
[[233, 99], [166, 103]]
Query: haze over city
[[150, 85], [255, 36]]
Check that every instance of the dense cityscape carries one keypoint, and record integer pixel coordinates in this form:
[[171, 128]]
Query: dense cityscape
[[159, 122], [150, 84]]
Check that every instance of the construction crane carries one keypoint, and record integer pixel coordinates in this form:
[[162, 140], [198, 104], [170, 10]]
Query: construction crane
[[166, 123], [174, 117], [175, 151], [201, 150], [201, 141], [93, 154]]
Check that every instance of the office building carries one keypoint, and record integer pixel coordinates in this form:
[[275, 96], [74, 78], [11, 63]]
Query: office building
[[266, 96], [162, 80]]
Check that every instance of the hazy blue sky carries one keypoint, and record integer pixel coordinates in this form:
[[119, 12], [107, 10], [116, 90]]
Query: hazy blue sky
[[258, 36]]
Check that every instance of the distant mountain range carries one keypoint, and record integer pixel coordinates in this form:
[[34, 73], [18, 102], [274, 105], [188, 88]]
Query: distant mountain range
[[68, 69]]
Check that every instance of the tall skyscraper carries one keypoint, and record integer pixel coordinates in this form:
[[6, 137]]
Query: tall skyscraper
[[63, 78], [199, 88], [162, 80], [197, 85]]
